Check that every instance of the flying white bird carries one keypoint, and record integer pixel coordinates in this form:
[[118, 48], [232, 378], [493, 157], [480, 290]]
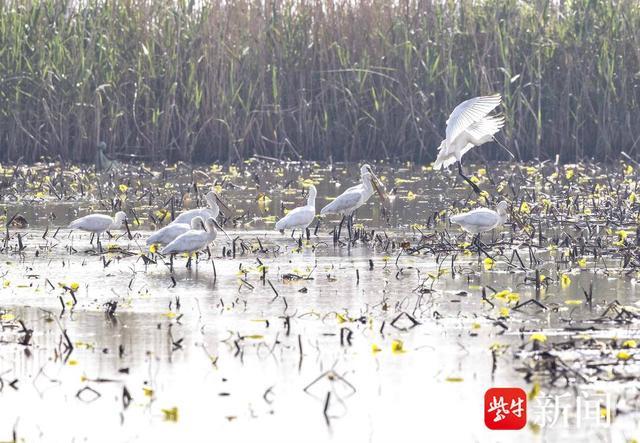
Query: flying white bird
[[300, 218], [98, 223], [211, 211], [468, 125], [194, 240], [169, 233], [482, 219]]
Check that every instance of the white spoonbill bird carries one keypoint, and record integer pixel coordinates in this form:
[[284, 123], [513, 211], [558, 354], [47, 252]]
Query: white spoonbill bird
[[469, 125], [351, 199], [482, 219], [99, 223], [194, 240], [211, 211], [300, 218], [169, 233], [355, 196]]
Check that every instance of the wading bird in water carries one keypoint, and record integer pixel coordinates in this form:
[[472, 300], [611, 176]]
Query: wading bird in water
[[346, 203], [481, 220], [468, 125], [300, 218], [211, 211], [169, 233], [194, 240], [99, 223]]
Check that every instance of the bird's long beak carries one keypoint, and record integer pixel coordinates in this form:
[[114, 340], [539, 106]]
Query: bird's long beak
[[220, 228], [221, 202], [379, 188]]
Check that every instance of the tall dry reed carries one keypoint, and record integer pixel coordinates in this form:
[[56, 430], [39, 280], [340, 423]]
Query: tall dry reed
[[351, 79]]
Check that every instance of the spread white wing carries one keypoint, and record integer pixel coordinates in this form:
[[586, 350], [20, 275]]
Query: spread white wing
[[470, 112]]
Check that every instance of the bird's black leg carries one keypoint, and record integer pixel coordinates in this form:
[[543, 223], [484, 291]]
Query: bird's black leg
[[350, 226], [340, 227], [189, 262], [475, 187], [293, 232]]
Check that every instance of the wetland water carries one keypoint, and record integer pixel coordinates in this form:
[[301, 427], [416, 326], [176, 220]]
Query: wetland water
[[394, 337]]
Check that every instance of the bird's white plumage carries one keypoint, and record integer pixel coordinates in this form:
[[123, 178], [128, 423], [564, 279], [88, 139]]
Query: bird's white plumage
[[300, 218], [193, 240], [98, 223], [169, 233], [469, 125], [469, 112], [211, 211], [354, 197], [481, 219]]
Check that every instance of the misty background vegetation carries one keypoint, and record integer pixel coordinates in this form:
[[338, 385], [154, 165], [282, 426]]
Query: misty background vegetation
[[213, 80]]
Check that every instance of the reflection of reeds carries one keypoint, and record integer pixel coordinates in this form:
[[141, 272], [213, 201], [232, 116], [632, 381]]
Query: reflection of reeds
[[165, 79]]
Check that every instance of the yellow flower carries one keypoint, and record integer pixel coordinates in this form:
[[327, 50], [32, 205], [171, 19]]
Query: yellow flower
[[622, 234], [410, 196], [153, 249], [524, 208], [535, 390], [569, 174], [629, 344], [397, 347], [623, 355], [582, 262], [632, 197], [538, 336], [170, 414], [74, 286], [512, 297], [504, 312], [565, 281], [475, 179], [123, 188], [573, 302], [628, 170], [482, 172], [375, 348], [488, 263]]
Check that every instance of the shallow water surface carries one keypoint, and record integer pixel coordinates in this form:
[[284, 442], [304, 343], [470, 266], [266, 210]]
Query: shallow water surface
[[386, 338]]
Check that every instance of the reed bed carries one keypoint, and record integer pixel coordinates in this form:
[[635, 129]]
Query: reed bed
[[202, 81]]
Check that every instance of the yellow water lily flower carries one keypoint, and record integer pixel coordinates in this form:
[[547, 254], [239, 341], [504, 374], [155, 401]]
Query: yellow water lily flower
[[565, 281], [488, 263], [397, 347], [538, 336], [623, 355]]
